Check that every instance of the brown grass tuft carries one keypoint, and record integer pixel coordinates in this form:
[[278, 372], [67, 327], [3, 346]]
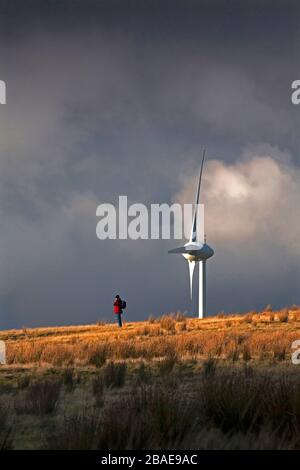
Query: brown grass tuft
[[114, 374], [40, 397], [167, 322]]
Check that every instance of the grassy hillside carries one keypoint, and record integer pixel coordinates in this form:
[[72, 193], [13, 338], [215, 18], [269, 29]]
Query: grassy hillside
[[166, 383], [257, 336]]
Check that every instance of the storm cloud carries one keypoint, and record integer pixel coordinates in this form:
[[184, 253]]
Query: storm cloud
[[112, 99]]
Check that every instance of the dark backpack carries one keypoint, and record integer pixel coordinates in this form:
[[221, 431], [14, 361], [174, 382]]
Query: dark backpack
[[123, 304]]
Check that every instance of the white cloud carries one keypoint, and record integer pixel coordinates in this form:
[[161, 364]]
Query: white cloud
[[258, 196]]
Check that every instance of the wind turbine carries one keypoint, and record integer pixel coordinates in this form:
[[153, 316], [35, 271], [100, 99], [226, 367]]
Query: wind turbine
[[197, 251]]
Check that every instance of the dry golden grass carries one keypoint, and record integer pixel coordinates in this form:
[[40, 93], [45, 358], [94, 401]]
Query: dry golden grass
[[101, 387], [256, 335]]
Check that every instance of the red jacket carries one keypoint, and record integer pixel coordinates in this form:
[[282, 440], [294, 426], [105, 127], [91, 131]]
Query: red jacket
[[118, 306]]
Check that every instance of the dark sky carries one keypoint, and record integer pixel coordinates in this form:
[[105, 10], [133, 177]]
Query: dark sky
[[119, 97]]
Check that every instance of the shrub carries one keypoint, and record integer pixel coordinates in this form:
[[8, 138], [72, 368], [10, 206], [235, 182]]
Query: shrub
[[179, 317], [143, 374], [230, 408], [228, 401], [248, 318], [58, 355], [23, 381], [151, 319], [114, 374], [283, 317], [98, 390], [246, 354], [97, 356], [209, 366], [282, 409], [248, 371], [68, 378], [144, 330], [233, 354], [182, 326], [280, 354], [6, 442], [41, 397], [167, 364], [76, 431], [151, 417], [167, 322]]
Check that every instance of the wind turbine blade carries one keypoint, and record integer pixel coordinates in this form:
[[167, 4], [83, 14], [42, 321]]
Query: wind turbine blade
[[191, 270], [180, 249], [193, 236], [200, 177]]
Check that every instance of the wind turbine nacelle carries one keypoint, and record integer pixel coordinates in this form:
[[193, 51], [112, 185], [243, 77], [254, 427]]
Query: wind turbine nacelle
[[197, 251]]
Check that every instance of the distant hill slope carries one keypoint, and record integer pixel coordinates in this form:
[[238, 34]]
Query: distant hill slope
[[259, 336]]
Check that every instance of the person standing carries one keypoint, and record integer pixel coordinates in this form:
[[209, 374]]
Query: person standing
[[118, 304]]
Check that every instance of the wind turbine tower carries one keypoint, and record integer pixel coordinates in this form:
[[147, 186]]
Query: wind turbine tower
[[196, 251]]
